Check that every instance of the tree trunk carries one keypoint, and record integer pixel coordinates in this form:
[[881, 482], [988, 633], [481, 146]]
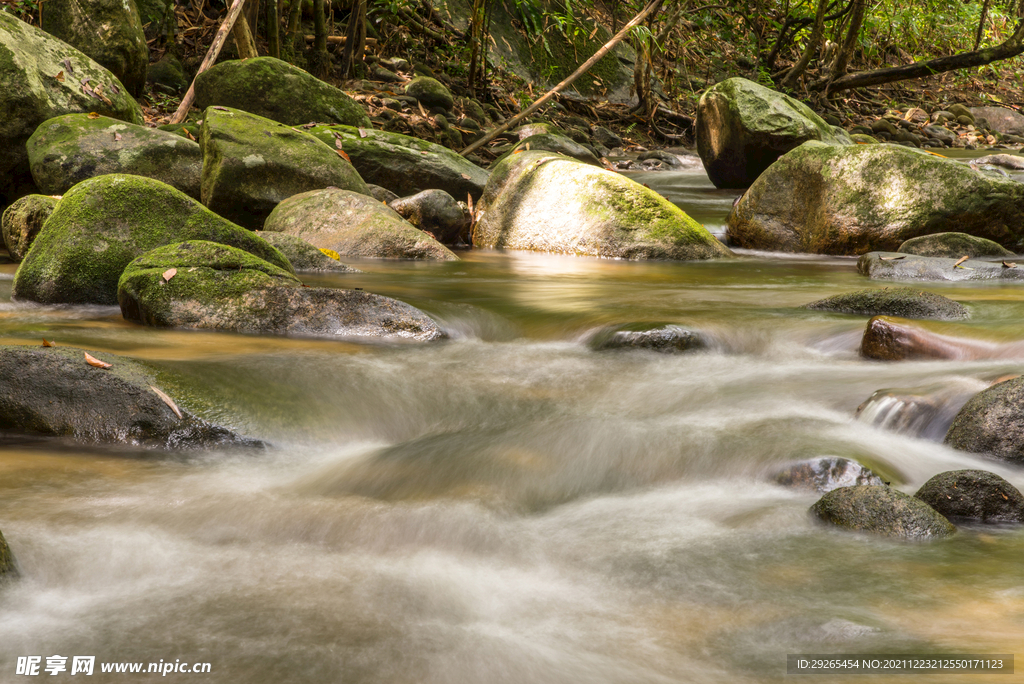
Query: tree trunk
[[242, 36], [273, 29], [319, 59], [798, 69], [981, 25], [355, 38], [845, 53]]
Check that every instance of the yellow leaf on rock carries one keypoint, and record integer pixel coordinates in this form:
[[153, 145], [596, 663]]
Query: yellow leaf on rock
[[331, 253], [169, 273], [167, 400], [46, 343], [93, 361], [60, 76], [93, 115]]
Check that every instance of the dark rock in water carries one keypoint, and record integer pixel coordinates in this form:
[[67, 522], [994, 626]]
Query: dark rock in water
[[381, 194], [55, 391], [670, 161], [925, 412], [23, 220], [895, 266], [8, 568], [558, 144], [992, 423], [890, 339], [904, 302], [667, 339], [882, 510], [973, 495], [825, 474], [304, 256], [275, 89], [605, 137], [216, 287], [953, 246], [436, 212]]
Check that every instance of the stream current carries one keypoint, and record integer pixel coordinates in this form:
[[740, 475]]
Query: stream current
[[511, 506]]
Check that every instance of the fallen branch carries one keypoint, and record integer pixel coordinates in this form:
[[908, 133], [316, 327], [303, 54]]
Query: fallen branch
[[340, 40]]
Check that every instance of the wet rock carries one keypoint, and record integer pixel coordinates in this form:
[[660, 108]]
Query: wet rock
[[992, 423], [742, 128], [883, 511], [403, 164], [54, 391], [671, 161], [1000, 119], [103, 223], [605, 137], [1006, 161], [860, 198], [975, 495], [547, 202], [23, 220], [555, 143], [304, 256], [436, 212], [668, 339], [896, 266], [891, 339], [430, 92], [250, 164], [825, 474], [66, 150], [109, 31], [354, 225], [952, 246], [939, 133], [904, 302], [276, 90], [8, 567], [925, 412], [473, 110], [381, 194], [216, 287]]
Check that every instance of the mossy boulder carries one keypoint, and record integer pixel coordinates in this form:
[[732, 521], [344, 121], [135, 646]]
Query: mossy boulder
[[354, 225], [54, 391], [436, 212], [846, 200], [274, 89], [23, 220], [743, 127], [66, 150], [41, 77], [251, 163], [909, 267], [559, 144], [953, 246], [8, 568], [883, 511], [103, 223], [665, 339], [825, 473], [304, 256], [975, 495], [403, 164], [546, 202], [992, 423], [168, 75], [109, 31], [209, 286], [430, 92], [905, 302]]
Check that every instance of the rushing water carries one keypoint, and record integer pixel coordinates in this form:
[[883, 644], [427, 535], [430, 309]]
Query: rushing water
[[511, 506]]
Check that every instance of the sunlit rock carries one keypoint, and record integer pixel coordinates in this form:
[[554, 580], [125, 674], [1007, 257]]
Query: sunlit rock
[[23, 220], [892, 339], [904, 302], [953, 245], [883, 511], [825, 474], [992, 423], [910, 267]]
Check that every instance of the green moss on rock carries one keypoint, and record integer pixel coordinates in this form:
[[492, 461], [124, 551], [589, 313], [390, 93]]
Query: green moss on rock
[[883, 511], [430, 92], [905, 302], [953, 245], [975, 495], [992, 423], [23, 220], [304, 256]]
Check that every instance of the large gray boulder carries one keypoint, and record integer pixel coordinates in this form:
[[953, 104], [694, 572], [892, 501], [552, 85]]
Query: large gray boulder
[[1000, 119], [436, 212], [354, 225], [23, 220], [403, 164], [847, 200], [910, 267], [304, 256], [546, 202], [206, 286], [109, 31], [975, 495], [250, 164], [56, 391], [66, 150], [883, 511], [103, 223], [953, 246], [992, 423], [274, 89], [742, 128], [905, 302]]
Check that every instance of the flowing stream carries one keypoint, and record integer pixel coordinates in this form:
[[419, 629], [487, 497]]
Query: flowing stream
[[511, 506]]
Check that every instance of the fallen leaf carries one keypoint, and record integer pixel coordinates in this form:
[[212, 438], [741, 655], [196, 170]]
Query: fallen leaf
[[331, 253], [93, 361], [221, 109], [115, 89], [895, 258], [60, 76], [517, 152], [423, 112], [67, 66], [117, 136], [93, 115], [309, 125], [341, 153], [363, 133], [337, 142], [960, 261], [167, 400], [1009, 264], [189, 135], [466, 176], [527, 146], [169, 273], [47, 344]]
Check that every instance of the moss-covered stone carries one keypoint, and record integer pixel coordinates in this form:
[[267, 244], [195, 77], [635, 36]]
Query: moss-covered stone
[[829, 199], [975, 495], [531, 129], [66, 150], [882, 510], [992, 423], [8, 568], [953, 246], [547, 202], [304, 256], [23, 220], [743, 127], [36, 84], [863, 139], [403, 164], [826, 473], [896, 266], [430, 92], [216, 287], [905, 302], [250, 164], [103, 223], [55, 391], [109, 31], [168, 75], [277, 90], [666, 339], [558, 144], [354, 225]]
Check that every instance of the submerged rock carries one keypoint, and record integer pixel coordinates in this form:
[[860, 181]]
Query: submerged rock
[[546, 202], [825, 474], [992, 423], [436, 212], [304, 256], [206, 286], [55, 391], [891, 339], [925, 412], [894, 266], [904, 302], [742, 128], [103, 223], [973, 495], [23, 220], [667, 339], [847, 200], [953, 246], [882, 510]]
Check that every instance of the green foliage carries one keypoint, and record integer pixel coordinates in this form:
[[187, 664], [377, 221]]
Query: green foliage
[[26, 10]]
